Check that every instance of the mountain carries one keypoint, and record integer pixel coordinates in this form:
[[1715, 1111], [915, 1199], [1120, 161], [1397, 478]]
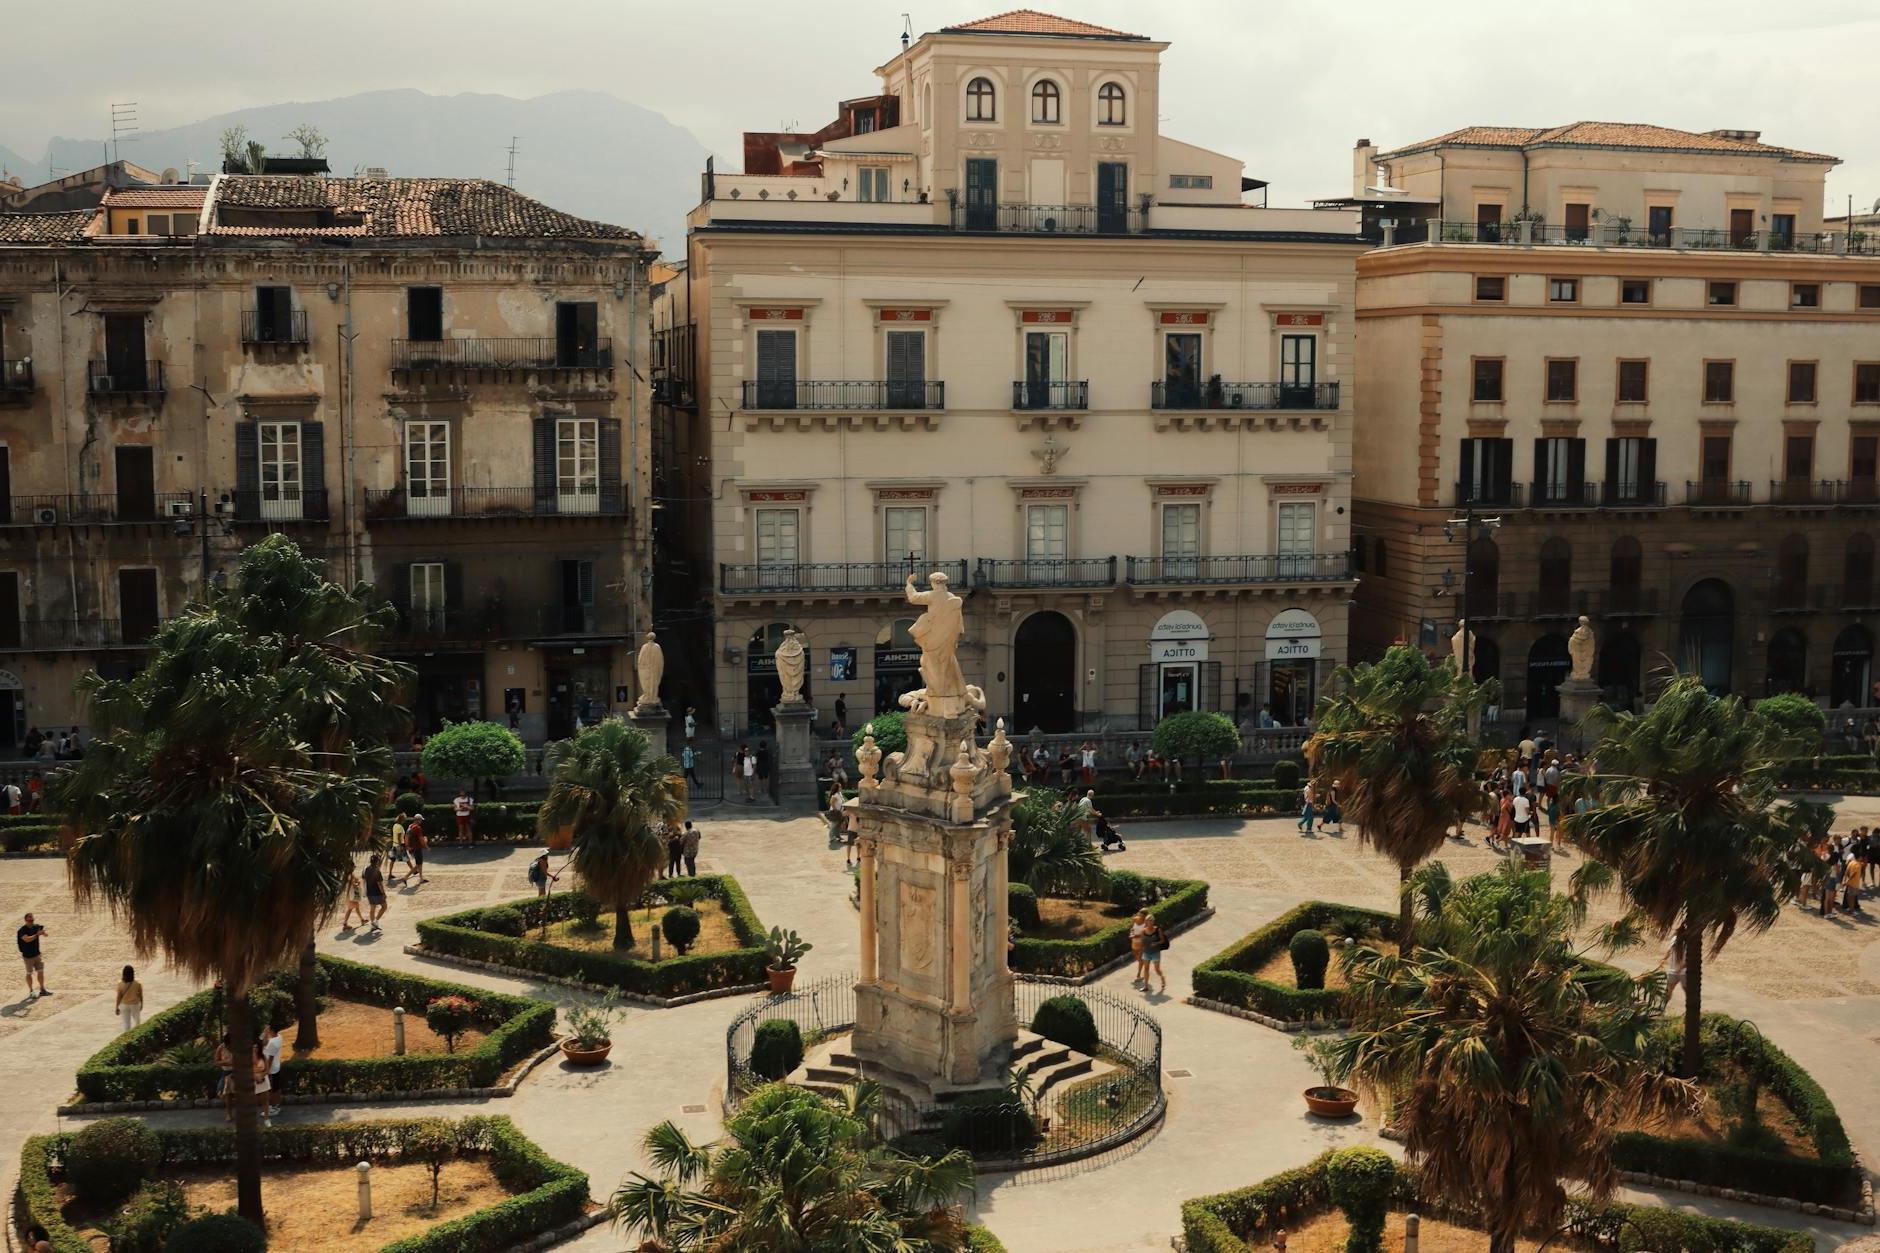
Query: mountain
[[584, 152]]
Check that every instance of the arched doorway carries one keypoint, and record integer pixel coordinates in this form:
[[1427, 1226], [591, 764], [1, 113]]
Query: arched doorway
[[1619, 657], [1707, 634], [897, 664], [1044, 673], [762, 690], [1625, 576], [1548, 666], [1554, 594], [1788, 662], [1482, 584], [1851, 678]]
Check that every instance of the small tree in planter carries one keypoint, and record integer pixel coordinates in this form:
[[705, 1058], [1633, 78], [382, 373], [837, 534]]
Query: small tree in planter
[[433, 1144], [681, 926], [1198, 737], [1329, 1099], [473, 751], [590, 1035], [450, 1017], [785, 949], [1310, 956]]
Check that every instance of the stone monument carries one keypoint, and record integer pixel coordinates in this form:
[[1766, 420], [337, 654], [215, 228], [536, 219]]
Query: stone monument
[[934, 1008], [648, 713], [1578, 692], [796, 772]]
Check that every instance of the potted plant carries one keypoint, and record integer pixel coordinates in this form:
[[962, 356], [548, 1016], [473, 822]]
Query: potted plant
[[1328, 1100], [785, 949], [589, 1037]]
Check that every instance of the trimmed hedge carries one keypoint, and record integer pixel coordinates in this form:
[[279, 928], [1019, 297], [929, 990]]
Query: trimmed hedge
[[1180, 900], [1223, 797], [1227, 976], [462, 935], [1832, 1177], [494, 820], [979, 1240], [546, 1193], [130, 1067]]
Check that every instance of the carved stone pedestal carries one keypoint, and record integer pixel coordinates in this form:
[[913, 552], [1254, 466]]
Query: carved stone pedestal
[[796, 772], [1577, 698], [656, 722]]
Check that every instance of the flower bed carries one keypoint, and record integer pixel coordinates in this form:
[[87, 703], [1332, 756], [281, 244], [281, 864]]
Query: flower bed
[[132, 1067], [1178, 901], [1227, 976], [545, 1193], [461, 935]]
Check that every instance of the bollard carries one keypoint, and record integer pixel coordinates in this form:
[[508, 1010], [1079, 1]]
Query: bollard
[[364, 1170], [654, 928], [398, 1032], [1410, 1225]]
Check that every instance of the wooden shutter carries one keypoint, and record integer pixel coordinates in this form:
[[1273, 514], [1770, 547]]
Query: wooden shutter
[[1501, 471], [313, 469], [545, 465], [6, 484], [9, 609], [1612, 468], [453, 587], [1543, 472], [1465, 472], [399, 591], [1647, 467], [247, 470], [1576, 465], [612, 498]]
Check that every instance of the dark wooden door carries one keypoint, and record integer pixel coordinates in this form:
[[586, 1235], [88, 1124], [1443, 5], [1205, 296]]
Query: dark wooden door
[[136, 484], [1112, 197], [9, 609], [577, 342], [1742, 226], [124, 350], [137, 604], [982, 193]]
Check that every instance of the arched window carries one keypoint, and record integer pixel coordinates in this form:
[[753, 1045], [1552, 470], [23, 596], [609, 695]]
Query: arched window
[[1626, 575], [982, 103], [1357, 554], [1555, 572], [1788, 662], [1792, 573], [1857, 572], [1482, 584], [1047, 105], [1112, 109], [1380, 559]]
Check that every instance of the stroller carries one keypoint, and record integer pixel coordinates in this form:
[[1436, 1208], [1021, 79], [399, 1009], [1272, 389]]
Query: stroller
[[1107, 835]]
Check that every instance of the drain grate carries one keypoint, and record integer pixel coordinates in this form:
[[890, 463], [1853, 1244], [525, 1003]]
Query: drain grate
[[1181, 1074], [691, 1109]]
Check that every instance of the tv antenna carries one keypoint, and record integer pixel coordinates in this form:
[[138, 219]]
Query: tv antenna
[[907, 30], [123, 123], [512, 160]]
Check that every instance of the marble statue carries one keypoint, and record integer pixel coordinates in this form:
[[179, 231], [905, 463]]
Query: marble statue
[[937, 631], [1580, 648], [651, 665], [791, 658], [1462, 644]]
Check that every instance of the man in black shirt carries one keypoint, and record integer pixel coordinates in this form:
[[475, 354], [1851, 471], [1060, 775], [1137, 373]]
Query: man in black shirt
[[29, 936]]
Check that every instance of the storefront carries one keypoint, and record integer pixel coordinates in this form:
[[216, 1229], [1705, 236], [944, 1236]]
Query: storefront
[[1177, 672], [449, 689], [1293, 645], [897, 665], [579, 687]]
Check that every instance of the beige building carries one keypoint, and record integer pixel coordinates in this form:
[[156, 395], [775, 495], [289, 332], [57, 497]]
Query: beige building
[[991, 323], [1640, 351], [430, 382]]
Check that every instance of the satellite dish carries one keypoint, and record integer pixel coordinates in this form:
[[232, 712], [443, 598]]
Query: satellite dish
[[170, 176], [1876, 207]]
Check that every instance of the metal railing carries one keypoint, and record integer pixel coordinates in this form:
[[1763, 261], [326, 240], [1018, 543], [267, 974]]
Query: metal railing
[[1545, 495], [55, 634], [1215, 394], [137, 380], [847, 394], [1632, 495], [505, 353], [16, 375], [581, 620], [293, 505], [1252, 568], [1716, 492], [1486, 497], [1805, 491], [1623, 233], [399, 504], [1047, 572], [273, 328], [1050, 395], [96, 508], [831, 577], [1620, 602], [1859, 492], [1050, 219]]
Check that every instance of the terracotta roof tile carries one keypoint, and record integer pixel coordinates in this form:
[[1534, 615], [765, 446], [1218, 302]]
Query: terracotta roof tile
[[45, 228], [156, 197], [1638, 135], [1032, 22], [400, 207]]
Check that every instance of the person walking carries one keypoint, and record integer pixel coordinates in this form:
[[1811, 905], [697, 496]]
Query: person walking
[[539, 877], [675, 852], [375, 892], [29, 936], [689, 760], [355, 901], [746, 768], [1138, 942], [399, 853], [129, 1002], [1306, 811], [16, 799], [415, 843], [1154, 942], [271, 1047], [691, 721], [465, 807], [225, 1063], [1334, 816], [1086, 813], [262, 1094], [1088, 762], [688, 844]]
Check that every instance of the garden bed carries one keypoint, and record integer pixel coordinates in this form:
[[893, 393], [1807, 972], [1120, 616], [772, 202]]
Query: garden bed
[[718, 931], [1177, 904], [1254, 974], [500, 1191]]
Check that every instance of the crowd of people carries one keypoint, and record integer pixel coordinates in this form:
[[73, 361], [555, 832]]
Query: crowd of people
[[1850, 864]]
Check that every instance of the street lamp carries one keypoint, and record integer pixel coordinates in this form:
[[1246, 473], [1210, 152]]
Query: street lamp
[[1468, 523]]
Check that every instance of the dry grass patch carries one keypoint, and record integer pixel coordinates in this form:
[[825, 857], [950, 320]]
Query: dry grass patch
[[1326, 1234], [1710, 1124], [1278, 967], [352, 1030], [715, 935], [1062, 918]]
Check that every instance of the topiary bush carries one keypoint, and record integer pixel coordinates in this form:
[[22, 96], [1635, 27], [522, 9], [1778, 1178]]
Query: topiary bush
[[1286, 774], [1795, 723], [1310, 956], [272, 1007], [1360, 1180], [1196, 736], [681, 926], [504, 920], [586, 911], [1129, 890], [1022, 904], [777, 1048], [111, 1158], [1067, 1020], [217, 1233], [450, 1017], [889, 730], [143, 1226], [409, 803], [473, 750]]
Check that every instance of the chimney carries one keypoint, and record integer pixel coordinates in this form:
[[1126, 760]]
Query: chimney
[[1363, 167], [1748, 137]]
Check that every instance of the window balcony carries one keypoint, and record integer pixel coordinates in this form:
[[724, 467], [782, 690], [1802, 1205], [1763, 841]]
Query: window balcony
[[400, 504], [1632, 495], [502, 356], [1051, 397], [1047, 572], [1214, 394], [1858, 492], [830, 579], [1615, 232], [1545, 495], [1049, 219], [1716, 493], [845, 394], [280, 505], [1805, 491], [1237, 571], [1488, 496], [16, 381], [586, 621], [273, 328], [130, 382], [99, 509], [74, 634]]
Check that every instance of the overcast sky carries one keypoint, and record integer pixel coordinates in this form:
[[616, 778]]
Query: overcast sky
[[1287, 85]]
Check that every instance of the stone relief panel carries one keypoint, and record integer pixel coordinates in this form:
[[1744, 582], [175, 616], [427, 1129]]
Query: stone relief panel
[[920, 929]]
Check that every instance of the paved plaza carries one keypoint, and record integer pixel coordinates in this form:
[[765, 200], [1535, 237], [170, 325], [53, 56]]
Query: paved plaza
[[1235, 1115]]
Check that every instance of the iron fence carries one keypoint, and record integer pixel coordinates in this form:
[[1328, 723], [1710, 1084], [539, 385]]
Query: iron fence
[[1047, 572], [260, 327], [502, 353], [809, 577], [1215, 394], [16, 375], [1050, 219], [144, 378], [1252, 568], [845, 394], [1043, 394]]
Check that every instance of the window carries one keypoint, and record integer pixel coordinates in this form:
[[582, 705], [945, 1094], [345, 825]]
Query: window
[[1631, 471], [1658, 224], [1047, 532], [1563, 381], [1298, 535], [905, 533], [1357, 554], [1047, 103], [280, 469], [1781, 230], [1798, 458], [1563, 291], [777, 537], [1635, 291], [427, 468], [1715, 464], [1487, 223], [274, 315], [424, 313], [1111, 107], [1181, 370], [1181, 539], [1486, 472], [1559, 470], [1191, 182], [865, 123], [1804, 295], [1719, 382], [776, 369], [1863, 466], [1801, 382], [428, 596], [1867, 383], [578, 465], [1632, 382], [1491, 287], [132, 226], [982, 103], [577, 335], [872, 184], [1869, 297], [906, 362], [1046, 370], [156, 223], [1487, 388], [1298, 370], [1720, 293], [1579, 223]]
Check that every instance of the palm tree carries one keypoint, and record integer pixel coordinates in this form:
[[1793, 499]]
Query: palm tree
[[1509, 1061], [205, 822], [615, 792], [793, 1172], [1049, 852], [1394, 739], [1686, 821]]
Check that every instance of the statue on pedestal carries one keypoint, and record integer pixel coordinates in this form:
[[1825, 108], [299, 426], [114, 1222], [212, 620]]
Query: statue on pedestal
[[937, 631], [1462, 644], [651, 666], [791, 658], [1580, 646]]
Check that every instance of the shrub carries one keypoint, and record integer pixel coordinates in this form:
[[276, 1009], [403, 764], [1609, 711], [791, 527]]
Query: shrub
[[587, 911], [473, 750], [680, 925], [1360, 1179], [143, 1226], [1286, 774], [777, 1048], [433, 1142], [1022, 904], [504, 920], [1177, 901], [110, 1158], [1795, 722], [409, 803], [217, 1233], [980, 1240], [889, 730], [989, 1123], [1228, 976], [1310, 956], [1067, 1020], [1196, 736], [1129, 890], [272, 1007], [450, 1017]]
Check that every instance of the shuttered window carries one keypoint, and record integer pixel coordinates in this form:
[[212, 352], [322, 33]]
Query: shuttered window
[[776, 369]]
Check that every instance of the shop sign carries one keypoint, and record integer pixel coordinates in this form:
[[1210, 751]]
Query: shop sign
[[1293, 635], [897, 659], [841, 664], [1179, 624], [1167, 652]]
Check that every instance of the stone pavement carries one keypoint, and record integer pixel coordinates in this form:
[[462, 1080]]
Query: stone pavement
[[1234, 1118]]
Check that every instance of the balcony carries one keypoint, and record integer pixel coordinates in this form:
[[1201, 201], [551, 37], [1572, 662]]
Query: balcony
[[1819, 492], [474, 358], [1545, 495], [1488, 496], [1051, 397], [1218, 395], [830, 580], [1633, 495], [1237, 571], [1716, 494], [274, 506], [1067, 572], [16, 381], [98, 509], [1620, 602], [416, 625], [74, 634], [844, 394], [274, 328], [128, 382], [1623, 233], [585, 621], [1050, 219], [398, 504]]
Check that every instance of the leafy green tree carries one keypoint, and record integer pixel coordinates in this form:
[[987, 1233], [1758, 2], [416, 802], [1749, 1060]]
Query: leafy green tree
[[794, 1173], [1796, 724], [473, 751], [1049, 853], [614, 791], [1687, 823], [889, 730], [1394, 738], [1196, 736], [1509, 1061], [312, 142]]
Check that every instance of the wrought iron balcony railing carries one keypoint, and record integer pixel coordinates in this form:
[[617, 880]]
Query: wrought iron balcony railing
[[274, 328], [510, 353], [16, 375], [1050, 219], [1632, 494], [1545, 495], [1047, 395], [1488, 495], [403, 503], [1716, 492], [289, 505], [1235, 570], [846, 394], [831, 577], [59, 634], [104, 379], [1047, 572], [1214, 394], [1805, 491], [99, 508]]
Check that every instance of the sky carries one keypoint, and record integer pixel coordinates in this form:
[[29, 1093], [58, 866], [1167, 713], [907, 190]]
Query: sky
[[1286, 85]]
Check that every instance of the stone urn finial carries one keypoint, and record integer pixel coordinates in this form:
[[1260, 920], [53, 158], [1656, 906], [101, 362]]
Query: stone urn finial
[[963, 770], [1000, 749], [868, 759]]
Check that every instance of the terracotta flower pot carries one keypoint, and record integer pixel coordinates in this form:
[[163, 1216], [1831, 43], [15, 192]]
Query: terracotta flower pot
[[1331, 1102], [578, 1056], [780, 980]]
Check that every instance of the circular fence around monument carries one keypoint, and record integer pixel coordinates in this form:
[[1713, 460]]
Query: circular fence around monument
[[1080, 1111]]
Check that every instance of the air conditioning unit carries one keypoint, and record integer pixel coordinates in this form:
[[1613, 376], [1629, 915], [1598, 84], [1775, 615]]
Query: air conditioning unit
[[45, 515], [101, 383], [180, 508], [224, 506]]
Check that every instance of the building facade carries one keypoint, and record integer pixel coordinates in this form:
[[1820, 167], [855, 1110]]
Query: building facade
[[430, 383], [990, 323], [1640, 355]]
